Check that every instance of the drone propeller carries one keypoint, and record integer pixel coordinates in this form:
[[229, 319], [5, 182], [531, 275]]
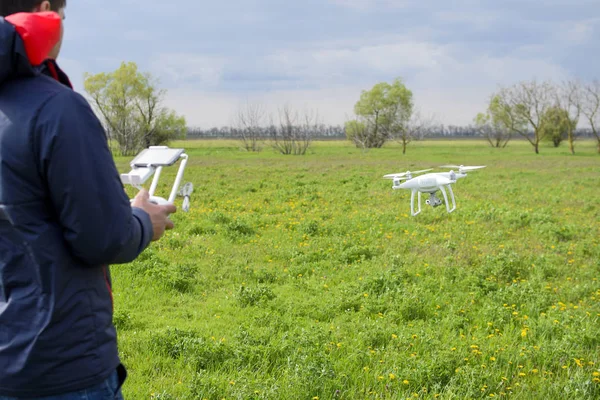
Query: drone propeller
[[402, 175], [463, 168]]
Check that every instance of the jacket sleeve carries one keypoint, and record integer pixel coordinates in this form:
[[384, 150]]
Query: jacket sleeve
[[99, 224]]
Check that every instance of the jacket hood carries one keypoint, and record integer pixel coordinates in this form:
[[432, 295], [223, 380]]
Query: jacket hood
[[25, 41]]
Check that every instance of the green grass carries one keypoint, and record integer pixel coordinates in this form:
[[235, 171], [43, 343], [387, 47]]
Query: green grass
[[297, 277]]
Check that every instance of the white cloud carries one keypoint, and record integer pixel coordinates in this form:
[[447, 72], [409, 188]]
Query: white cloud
[[480, 19], [577, 32], [206, 71], [453, 89], [207, 109], [370, 4]]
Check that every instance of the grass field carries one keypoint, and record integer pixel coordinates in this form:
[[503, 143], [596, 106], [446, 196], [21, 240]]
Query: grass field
[[305, 277]]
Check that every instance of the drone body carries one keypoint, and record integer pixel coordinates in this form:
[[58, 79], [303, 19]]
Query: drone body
[[430, 184]]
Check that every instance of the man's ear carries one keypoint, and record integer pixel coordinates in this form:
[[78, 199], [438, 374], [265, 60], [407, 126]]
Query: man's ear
[[43, 7]]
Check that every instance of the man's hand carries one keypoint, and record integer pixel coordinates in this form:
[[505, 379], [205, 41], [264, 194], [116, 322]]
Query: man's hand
[[159, 214]]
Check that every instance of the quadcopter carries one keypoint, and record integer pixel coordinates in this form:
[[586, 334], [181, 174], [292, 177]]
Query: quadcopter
[[430, 183], [151, 161]]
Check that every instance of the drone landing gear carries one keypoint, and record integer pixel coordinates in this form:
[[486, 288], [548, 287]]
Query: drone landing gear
[[412, 202], [446, 198], [433, 200]]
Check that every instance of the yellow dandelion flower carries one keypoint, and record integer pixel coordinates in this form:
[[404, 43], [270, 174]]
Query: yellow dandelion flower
[[405, 382]]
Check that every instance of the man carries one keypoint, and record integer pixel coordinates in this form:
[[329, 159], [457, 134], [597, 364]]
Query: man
[[64, 217]]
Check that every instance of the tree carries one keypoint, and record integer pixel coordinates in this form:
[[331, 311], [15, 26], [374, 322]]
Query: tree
[[557, 125], [525, 105], [248, 126], [569, 100], [383, 112], [358, 132], [415, 129], [294, 133], [591, 107], [494, 124], [130, 105]]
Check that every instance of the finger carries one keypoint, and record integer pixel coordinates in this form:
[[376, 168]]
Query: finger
[[169, 225], [143, 194], [170, 208], [141, 197]]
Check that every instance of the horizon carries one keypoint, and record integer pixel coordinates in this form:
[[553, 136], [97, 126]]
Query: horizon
[[320, 55]]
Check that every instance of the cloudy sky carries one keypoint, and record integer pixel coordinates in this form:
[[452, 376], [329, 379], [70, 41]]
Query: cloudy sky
[[213, 56]]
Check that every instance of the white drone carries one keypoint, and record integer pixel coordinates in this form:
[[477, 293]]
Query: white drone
[[151, 161], [430, 183]]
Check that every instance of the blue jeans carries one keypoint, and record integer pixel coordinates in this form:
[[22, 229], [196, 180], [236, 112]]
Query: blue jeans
[[110, 389]]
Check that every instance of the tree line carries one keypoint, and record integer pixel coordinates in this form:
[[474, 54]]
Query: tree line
[[338, 132], [130, 105], [535, 111], [542, 111]]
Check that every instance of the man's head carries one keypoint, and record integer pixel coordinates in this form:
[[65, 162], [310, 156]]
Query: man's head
[[8, 7]]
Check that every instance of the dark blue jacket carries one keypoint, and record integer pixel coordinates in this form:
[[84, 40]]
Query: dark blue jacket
[[64, 217]]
